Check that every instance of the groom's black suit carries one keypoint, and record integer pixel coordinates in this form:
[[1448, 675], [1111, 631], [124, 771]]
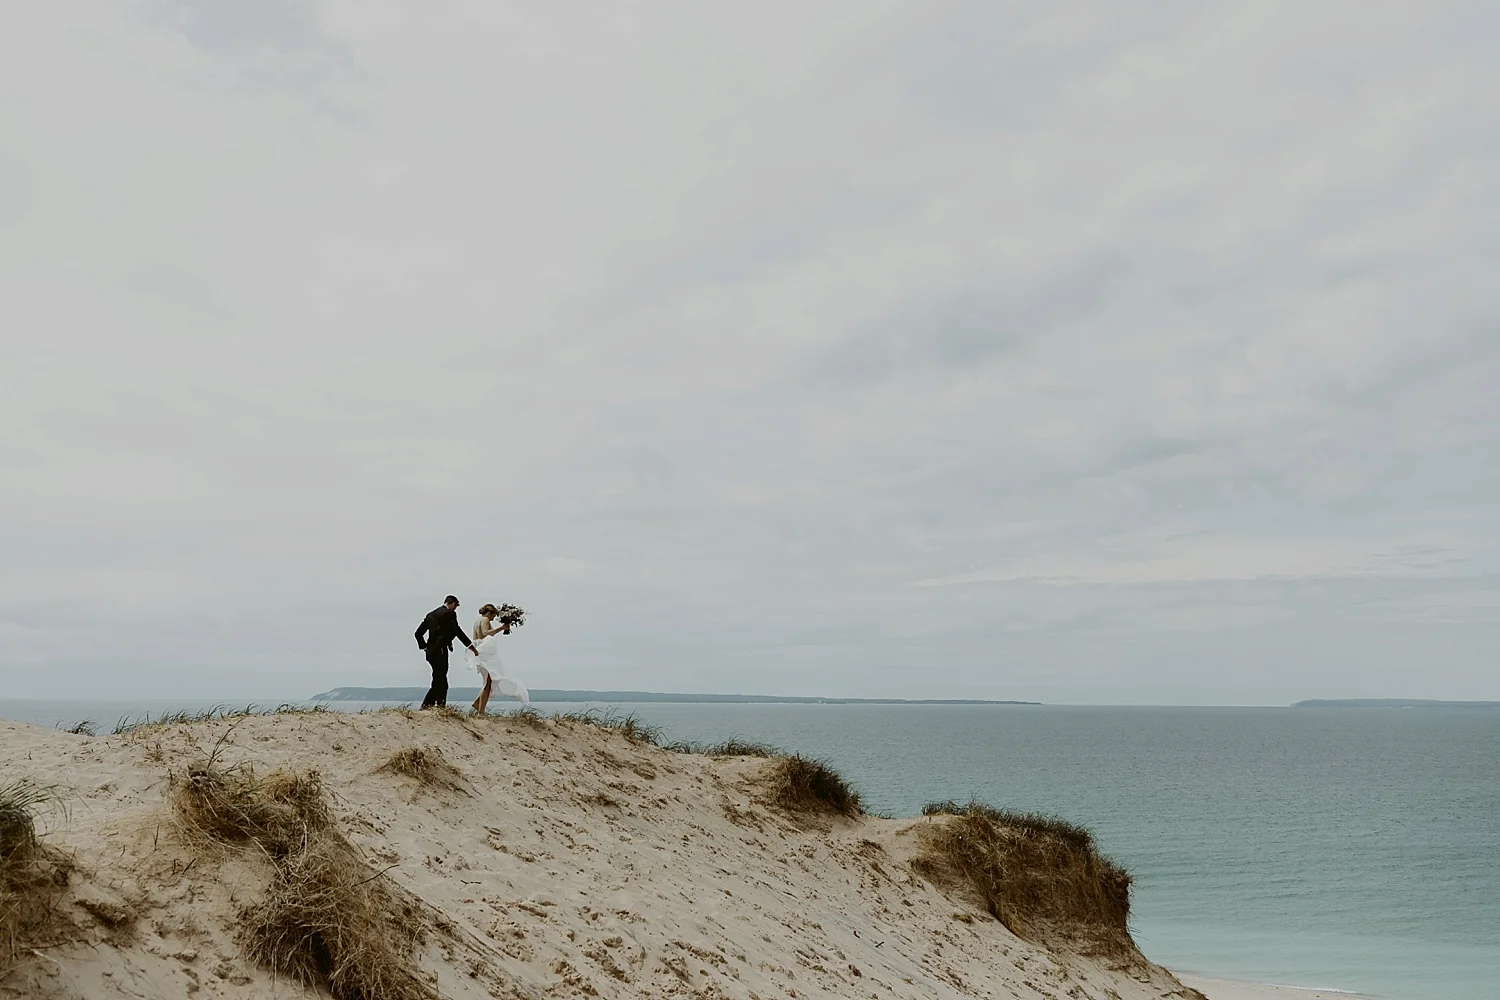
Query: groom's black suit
[[441, 628]]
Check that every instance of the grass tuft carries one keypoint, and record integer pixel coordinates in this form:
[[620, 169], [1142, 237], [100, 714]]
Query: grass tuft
[[289, 708], [19, 803], [145, 723], [406, 711], [805, 785], [637, 731], [32, 874], [526, 715], [1040, 876], [735, 747], [426, 765], [630, 726], [138, 725], [732, 747], [325, 921], [84, 728], [1041, 824]]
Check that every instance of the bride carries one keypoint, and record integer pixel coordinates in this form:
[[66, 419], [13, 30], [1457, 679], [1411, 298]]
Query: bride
[[487, 662]]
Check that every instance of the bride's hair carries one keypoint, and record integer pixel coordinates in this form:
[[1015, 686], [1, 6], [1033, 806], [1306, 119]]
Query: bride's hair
[[489, 609]]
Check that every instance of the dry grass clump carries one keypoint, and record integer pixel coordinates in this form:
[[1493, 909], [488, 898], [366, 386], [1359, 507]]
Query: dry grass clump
[[426, 765], [1040, 876], [325, 921], [32, 874], [805, 785], [278, 812]]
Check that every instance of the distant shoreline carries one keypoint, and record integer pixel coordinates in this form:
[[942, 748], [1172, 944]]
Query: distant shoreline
[[1391, 703], [406, 694]]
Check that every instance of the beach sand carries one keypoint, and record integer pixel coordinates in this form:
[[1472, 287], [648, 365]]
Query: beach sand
[[564, 860]]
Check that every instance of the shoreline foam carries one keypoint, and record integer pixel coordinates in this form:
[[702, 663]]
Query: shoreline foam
[[1234, 989]]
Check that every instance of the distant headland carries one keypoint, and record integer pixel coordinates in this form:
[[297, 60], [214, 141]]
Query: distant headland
[[460, 695], [1391, 703]]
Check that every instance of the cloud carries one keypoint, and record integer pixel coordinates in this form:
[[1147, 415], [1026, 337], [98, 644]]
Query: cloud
[[706, 334]]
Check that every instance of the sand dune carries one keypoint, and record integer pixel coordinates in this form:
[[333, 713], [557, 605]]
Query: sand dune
[[556, 859]]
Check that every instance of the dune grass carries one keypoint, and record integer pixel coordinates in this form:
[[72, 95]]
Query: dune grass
[[406, 711], [326, 919], [637, 730], [736, 747], [19, 803], [139, 725], [33, 875], [426, 765], [732, 747], [1041, 824], [526, 715], [630, 726], [806, 785], [1041, 876]]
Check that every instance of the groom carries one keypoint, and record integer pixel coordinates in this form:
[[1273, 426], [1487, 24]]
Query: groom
[[441, 628]]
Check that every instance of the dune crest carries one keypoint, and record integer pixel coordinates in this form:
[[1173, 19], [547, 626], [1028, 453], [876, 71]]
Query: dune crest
[[409, 854]]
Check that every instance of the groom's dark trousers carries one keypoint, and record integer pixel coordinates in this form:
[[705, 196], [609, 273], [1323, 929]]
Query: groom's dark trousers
[[435, 637], [437, 658]]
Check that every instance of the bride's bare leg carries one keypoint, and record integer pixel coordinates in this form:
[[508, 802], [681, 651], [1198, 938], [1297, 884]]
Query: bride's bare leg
[[483, 700]]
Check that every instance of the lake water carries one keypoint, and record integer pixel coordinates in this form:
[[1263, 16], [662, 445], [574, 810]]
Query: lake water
[[1356, 849]]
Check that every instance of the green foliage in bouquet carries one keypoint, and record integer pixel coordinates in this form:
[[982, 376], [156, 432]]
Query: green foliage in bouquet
[[511, 616]]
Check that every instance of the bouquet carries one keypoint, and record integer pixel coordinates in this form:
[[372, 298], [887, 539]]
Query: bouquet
[[511, 616]]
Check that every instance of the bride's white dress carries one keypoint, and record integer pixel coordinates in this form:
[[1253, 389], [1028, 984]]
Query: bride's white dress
[[488, 664]]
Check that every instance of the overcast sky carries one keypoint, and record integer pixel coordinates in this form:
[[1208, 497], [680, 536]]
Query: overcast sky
[[1124, 353]]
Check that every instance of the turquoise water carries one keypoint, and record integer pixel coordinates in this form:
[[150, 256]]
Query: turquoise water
[[1356, 849]]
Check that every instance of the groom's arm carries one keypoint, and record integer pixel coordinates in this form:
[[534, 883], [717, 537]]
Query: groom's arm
[[458, 631], [421, 631]]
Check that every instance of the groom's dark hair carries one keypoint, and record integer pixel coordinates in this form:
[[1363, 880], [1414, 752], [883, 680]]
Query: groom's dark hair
[[450, 599]]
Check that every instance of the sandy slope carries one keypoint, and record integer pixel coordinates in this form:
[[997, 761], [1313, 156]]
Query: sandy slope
[[574, 862]]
